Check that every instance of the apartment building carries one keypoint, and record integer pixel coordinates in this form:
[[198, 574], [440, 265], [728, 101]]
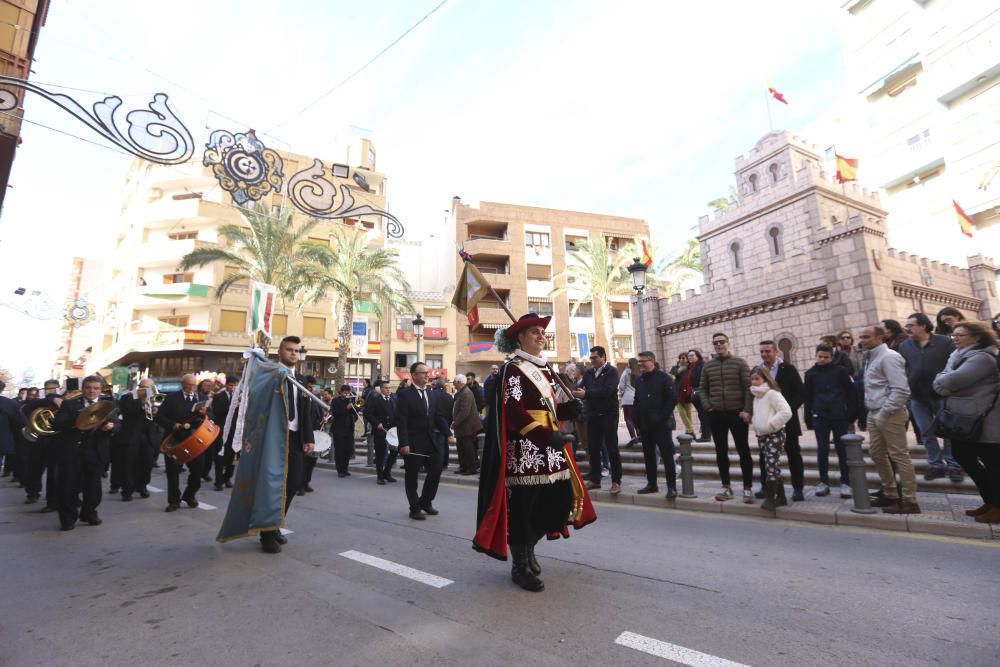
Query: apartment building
[[519, 249], [168, 322]]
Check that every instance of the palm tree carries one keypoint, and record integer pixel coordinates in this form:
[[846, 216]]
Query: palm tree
[[270, 251], [353, 270], [682, 266], [597, 274]]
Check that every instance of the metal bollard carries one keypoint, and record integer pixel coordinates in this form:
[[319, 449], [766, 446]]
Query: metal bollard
[[859, 481], [687, 466]]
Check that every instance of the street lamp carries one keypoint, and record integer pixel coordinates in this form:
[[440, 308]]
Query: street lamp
[[418, 332], [638, 272]]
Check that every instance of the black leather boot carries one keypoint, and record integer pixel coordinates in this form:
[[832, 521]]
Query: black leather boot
[[780, 499], [520, 571], [533, 565], [770, 492]]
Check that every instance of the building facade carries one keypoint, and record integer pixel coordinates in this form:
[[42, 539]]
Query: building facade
[[20, 23], [800, 257], [926, 121], [169, 322], [519, 249]]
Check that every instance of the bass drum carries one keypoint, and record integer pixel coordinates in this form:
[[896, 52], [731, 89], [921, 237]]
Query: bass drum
[[392, 439], [323, 442], [191, 446]]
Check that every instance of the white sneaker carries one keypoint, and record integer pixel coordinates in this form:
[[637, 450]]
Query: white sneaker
[[845, 491], [605, 472], [822, 489]]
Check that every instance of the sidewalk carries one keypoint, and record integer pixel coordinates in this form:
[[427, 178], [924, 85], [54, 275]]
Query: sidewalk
[[941, 513]]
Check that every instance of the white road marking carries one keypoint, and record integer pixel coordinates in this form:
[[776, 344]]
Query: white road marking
[[684, 656], [202, 505], [285, 531], [153, 489], [396, 568]]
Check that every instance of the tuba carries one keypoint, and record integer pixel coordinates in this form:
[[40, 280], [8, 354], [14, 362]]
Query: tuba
[[40, 420]]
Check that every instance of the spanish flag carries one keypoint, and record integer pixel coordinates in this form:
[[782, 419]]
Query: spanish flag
[[847, 169], [775, 94], [964, 220], [647, 258]]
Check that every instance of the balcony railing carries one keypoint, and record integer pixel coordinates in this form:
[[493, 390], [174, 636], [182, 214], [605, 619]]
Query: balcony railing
[[168, 336], [430, 333]]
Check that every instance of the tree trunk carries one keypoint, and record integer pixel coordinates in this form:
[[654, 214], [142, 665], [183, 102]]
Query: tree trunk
[[346, 317], [605, 305]]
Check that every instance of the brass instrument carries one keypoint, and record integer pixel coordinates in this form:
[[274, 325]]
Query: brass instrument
[[95, 415], [40, 419]]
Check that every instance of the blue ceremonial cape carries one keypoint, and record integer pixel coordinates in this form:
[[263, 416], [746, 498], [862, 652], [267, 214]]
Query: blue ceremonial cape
[[257, 502]]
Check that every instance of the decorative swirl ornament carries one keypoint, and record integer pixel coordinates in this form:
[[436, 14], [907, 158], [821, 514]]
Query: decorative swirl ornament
[[311, 192], [244, 167], [79, 312], [155, 134]]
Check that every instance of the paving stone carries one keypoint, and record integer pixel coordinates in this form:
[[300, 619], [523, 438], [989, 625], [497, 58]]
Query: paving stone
[[879, 520], [918, 523]]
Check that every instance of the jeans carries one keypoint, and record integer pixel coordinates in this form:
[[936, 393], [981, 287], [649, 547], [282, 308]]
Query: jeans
[[823, 428], [658, 440], [722, 424], [923, 415]]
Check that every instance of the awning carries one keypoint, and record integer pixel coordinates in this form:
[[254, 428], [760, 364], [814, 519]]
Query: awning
[[913, 173], [897, 73]]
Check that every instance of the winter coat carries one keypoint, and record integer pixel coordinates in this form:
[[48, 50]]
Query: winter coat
[[829, 393], [602, 390], [725, 385], [625, 388], [466, 420], [770, 413], [923, 363], [655, 401], [969, 384]]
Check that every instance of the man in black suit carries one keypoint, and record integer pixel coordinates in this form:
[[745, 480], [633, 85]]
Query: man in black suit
[[12, 420], [343, 415], [316, 413], [300, 438], [81, 457], [599, 391], [225, 456], [790, 382], [417, 416], [35, 462], [445, 406], [380, 411], [177, 408], [138, 441]]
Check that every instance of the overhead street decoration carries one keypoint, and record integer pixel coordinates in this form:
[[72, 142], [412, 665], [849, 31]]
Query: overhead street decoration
[[243, 165]]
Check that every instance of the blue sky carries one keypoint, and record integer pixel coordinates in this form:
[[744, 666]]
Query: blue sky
[[626, 108]]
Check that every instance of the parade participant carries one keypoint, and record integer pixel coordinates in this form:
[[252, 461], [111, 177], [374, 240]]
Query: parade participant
[[12, 420], [381, 412], [138, 440], [35, 454], [276, 437], [225, 459], [446, 406], [206, 391], [343, 415], [599, 391], [417, 415], [316, 414], [81, 457], [655, 400], [177, 409], [529, 486]]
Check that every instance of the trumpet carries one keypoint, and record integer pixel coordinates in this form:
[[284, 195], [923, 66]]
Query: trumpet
[[40, 420]]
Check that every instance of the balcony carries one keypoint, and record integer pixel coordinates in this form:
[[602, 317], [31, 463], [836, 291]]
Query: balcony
[[495, 316], [168, 252], [430, 334], [171, 296], [166, 336]]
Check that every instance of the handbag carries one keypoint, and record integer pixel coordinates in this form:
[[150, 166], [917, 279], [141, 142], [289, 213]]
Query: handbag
[[964, 428]]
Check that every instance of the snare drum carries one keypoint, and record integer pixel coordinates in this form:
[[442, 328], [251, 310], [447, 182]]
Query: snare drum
[[323, 442]]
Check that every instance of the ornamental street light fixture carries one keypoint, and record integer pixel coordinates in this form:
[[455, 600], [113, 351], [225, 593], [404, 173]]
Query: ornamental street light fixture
[[638, 272], [418, 332]]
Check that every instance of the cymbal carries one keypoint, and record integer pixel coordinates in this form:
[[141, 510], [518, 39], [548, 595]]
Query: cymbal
[[95, 415]]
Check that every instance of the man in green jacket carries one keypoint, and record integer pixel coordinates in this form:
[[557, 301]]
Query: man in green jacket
[[725, 395]]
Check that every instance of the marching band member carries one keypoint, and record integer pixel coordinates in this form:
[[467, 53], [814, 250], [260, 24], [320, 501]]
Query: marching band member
[[380, 410], [343, 415], [37, 454], [138, 441], [225, 458], [177, 408], [529, 486], [81, 457], [316, 413]]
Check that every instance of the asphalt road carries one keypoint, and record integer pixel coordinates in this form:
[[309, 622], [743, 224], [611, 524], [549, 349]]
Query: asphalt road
[[150, 588]]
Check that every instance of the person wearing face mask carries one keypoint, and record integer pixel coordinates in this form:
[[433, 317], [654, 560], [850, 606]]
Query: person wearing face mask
[[770, 414]]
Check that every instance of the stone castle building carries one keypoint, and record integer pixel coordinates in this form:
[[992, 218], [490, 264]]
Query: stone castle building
[[801, 256]]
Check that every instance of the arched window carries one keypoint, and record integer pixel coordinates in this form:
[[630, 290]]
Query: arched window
[[774, 240], [736, 250], [774, 172], [753, 182]]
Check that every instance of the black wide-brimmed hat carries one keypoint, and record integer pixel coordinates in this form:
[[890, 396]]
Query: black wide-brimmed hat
[[525, 322]]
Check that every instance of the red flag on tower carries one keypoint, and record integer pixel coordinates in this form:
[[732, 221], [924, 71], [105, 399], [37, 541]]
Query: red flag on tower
[[775, 94], [964, 220]]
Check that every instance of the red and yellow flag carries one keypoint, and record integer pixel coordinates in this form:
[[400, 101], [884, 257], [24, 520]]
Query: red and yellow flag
[[847, 169], [647, 257], [964, 220], [775, 94]]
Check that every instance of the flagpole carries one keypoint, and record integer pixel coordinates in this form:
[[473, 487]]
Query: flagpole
[[767, 103]]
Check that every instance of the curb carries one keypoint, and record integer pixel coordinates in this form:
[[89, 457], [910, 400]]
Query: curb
[[799, 512]]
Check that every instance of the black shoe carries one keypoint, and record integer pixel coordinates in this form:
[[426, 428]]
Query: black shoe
[[307, 488], [144, 494], [797, 496], [300, 492], [648, 489], [104, 475], [31, 500], [126, 497], [206, 478], [218, 487], [229, 484], [67, 526], [47, 509], [94, 520], [113, 490], [380, 482], [885, 501], [704, 439], [417, 515], [520, 571], [671, 493], [391, 479], [279, 538], [759, 495], [172, 507], [341, 474], [270, 547], [429, 510]]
